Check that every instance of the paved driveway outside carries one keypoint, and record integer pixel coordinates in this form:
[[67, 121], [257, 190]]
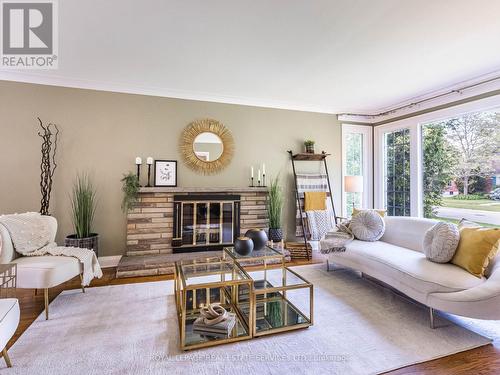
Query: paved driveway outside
[[488, 217]]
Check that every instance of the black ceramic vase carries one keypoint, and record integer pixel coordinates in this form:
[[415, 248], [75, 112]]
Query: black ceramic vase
[[258, 236], [275, 234], [243, 245]]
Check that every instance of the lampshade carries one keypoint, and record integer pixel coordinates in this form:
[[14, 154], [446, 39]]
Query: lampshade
[[353, 184]]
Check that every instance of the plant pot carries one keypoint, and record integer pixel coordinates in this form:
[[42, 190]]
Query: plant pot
[[275, 234], [258, 236], [310, 149], [91, 242], [243, 245]]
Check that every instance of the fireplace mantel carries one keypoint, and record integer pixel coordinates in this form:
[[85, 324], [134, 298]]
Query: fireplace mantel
[[203, 190]]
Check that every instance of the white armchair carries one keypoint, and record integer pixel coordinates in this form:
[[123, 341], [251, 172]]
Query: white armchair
[[9, 320], [40, 272]]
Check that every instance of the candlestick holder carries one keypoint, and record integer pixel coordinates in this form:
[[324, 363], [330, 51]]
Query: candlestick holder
[[139, 174], [149, 176], [259, 183], [263, 180], [251, 184]]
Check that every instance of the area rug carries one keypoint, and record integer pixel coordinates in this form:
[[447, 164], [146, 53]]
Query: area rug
[[359, 328]]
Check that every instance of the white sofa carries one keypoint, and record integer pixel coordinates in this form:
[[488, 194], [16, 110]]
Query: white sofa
[[397, 259], [40, 272], [9, 320]]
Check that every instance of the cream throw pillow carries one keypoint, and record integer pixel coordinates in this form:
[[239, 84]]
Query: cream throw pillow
[[440, 242], [367, 226]]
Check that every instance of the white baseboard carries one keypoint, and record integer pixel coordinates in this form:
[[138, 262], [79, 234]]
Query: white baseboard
[[109, 261]]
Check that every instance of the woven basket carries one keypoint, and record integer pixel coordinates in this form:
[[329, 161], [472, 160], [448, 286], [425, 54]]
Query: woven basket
[[91, 242]]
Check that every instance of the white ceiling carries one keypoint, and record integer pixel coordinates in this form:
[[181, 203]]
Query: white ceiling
[[324, 55]]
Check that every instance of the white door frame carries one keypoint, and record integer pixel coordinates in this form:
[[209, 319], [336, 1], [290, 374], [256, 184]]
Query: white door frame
[[367, 160]]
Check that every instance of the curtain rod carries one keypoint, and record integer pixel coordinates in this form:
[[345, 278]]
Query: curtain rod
[[410, 105]]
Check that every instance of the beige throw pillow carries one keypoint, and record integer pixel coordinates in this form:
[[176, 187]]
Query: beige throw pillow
[[440, 242]]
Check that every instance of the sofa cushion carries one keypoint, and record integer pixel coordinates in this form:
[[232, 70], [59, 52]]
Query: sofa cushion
[[440, 242], [407, 232], [9, 319], [410, 268], [367, 226], [477, 247], [39, 272]]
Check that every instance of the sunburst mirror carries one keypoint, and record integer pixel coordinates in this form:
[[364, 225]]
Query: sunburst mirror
[[207, 146]]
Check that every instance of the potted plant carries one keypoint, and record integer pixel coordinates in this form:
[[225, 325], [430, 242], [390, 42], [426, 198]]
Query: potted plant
[[309, 145], [130, 190], [83, 206], [274, 209]]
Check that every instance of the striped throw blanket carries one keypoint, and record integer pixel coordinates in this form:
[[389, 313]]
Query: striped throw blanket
[[311, 182]]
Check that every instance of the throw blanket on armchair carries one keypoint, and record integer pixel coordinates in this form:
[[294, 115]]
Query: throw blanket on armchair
[[31, 237]]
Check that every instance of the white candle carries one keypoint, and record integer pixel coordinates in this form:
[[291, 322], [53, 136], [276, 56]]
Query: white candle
[[251, 171], [259, 175], [138, 160], [149, 160], [263, 168]]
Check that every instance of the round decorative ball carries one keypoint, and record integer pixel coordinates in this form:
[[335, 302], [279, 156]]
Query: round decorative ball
[[258, 236], [243, 245]]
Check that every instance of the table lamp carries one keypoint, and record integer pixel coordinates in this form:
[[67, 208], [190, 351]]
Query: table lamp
[[353, 184]]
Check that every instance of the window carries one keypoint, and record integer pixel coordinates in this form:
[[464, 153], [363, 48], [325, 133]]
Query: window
[[460, 157], [443, 164], [397, 172], [357, 161]]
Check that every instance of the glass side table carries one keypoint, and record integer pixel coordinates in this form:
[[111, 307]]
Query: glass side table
[[8, 274], [200, 282], [281, 300]]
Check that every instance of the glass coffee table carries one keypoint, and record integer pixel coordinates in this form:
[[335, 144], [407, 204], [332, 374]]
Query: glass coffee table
[[266, 300]]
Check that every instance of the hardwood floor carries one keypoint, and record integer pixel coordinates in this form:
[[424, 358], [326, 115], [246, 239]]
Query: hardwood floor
[[481, 361]]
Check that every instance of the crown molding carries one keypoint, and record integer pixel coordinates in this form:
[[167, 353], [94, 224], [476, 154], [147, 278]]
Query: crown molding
[[60, 81]]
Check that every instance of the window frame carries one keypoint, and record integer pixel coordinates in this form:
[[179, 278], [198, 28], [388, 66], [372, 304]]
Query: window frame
[[414, 124]]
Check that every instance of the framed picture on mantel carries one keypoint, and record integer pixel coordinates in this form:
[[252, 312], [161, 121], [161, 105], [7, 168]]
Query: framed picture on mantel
[[166, 173]]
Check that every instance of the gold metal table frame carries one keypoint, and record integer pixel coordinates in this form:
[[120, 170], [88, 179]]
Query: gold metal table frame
[[253, 300]]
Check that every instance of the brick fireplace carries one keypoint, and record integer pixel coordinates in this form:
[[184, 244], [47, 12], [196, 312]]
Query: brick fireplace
[[150, 226]]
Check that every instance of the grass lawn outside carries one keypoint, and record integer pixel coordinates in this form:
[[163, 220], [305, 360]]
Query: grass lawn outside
[[479, 204]]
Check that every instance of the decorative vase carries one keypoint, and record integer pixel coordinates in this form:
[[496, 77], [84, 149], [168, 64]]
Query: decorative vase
[[91, 242], [310, 149], [275, 234], [243, 245], [258, 236]]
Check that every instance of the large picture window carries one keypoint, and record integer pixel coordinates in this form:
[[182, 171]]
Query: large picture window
[[443, 164]]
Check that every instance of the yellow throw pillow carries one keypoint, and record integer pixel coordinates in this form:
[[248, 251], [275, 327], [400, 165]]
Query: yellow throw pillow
[[477, 247], [356, 211]]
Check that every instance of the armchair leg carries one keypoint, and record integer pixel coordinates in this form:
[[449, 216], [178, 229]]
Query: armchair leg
[[6, 357], [431, 317], [46, 295], [81, 281]]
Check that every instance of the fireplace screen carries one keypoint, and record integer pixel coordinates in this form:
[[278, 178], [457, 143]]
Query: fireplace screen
[[205, 222]]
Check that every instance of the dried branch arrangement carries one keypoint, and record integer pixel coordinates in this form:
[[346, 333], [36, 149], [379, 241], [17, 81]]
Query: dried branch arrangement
[[49, 134]]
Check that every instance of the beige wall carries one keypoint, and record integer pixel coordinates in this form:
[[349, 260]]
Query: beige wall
[[103, 132]]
